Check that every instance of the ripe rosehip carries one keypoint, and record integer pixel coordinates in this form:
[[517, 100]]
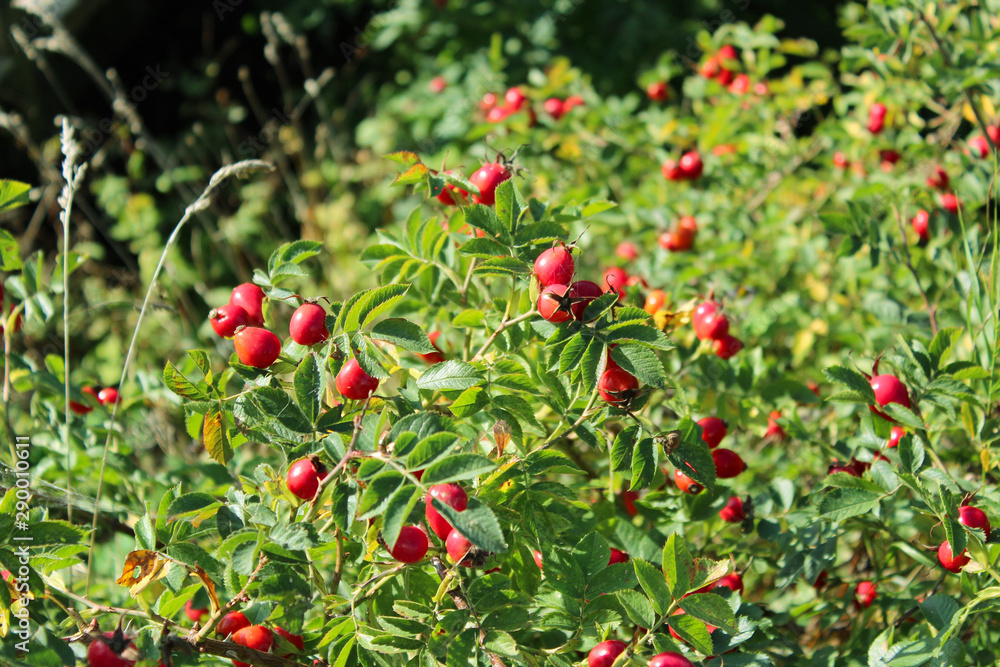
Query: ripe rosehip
[[617, 556], [774, 430], [109, 653], [994, 134], [876, 125], [411, 545], [732, 581], [740, 85], [733, 511], [488, 102], [230, 623], [939, 179], [82, 408], [515, 98], [655, 301], [617, 386], [628, 499], [670, 659], [614, 278], [895, 435], [257, 347], [604, 654], [921, 225], [728, 463], [713, 430], [973, 517], [496, 115], [840, 160], [711, 327], [877, 110], [225, 320], [294, 640], [726, 76], [727, 346], [194, 613], [453, 496], [256, 637], [308, 324], [107, 396], [250, 297], [553, 304], [457, 547], [581, 293], [848, 468], [555, 266], [537, 556], [706, 308], [888, 157], [303, 478], [949, 561], [445, 196], [821, 580], [437, 84], [657, 91], [980, 146], [710, 68], [691, 165], [555, 107], [864, 594], [671, 171], [433, 357], [728, 52], [950, 203], [354, 383], [760, 88], [627, 251], [487, 178], [686, 484], [888, 389], [573, 101]]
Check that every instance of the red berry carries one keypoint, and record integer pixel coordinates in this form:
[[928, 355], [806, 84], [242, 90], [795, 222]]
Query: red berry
[[437, 84], [877, 110], [604, 654], [194, 613], [740, 85], [774, 430], [973, 517], [488, 102], [453, 496], [354, 383], [515, 98], [939, 179], [848, 468], [617, 386], [876, 125], [821, 580], [888, 389], [555, 266], [487, 178], [733, 511], [615, 278], [888, 158], [657, 91], [655, 301], [628, 499], [457, 546], [950, 202], [691, 165], [433, 357], [711, 327], [617, 556], [102, 653], [706, 308], [732, 581], [256, 637], [411, 545], [582, 292], [82, 408], [760, 88], [980, 145], [670, 659], [840, 160], [496, 115], [308, 324], [303, 478], [895, 435], [555, 107], [225, 320], [671, 171], [251, 298], [864, 594], [573, 101], [728, 463], [710, 68], [728, 52], [921, 224], [107, 396], [553, 304], [627, 251], [948, 560], [230, 623], [727, 346], [686, 484], [295, 640], [257, 347], [993, 133], [537, 555], [713, 430], [445, 195]]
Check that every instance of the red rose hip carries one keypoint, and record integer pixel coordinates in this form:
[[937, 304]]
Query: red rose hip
[[411, 545], [453, 496], [354, 383], [617, 386], [555, 266], [257, 347], [308, 324], [225, 320], [604, 654], [733, 511], [251, 298], [713, 430], [304, 477], [487, 178]]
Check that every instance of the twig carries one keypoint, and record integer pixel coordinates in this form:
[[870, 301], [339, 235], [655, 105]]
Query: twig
[[195, 637], [503, 325], [931, 309]]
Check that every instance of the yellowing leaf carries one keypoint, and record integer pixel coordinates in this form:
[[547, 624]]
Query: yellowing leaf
[[150, 565], [209, 586]]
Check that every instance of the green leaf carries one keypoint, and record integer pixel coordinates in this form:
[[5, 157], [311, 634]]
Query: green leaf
[[543, 461], [693, 631], [451, 374], [711, 609], [599, 306], [297, 536], [597, 206], [276, 404], [840, 504], [456, 468], [939, 610], [911, 453], [641, 334], [13, 194], [403, 333], [469, 402], [397, 512], [853, 380], [573, 352], [903, 415], [621, 449], [502, 267], [180, 385], [692, 456], [55, 532], [643, 464], [509, 204], [380, 490], [943, 343], [637, 607], [477, 523], [483, 248], [309, 383], [654, 583], [641, 362], [483, 217], [366, 306], [678, 565], [10, 252], [430, 449]]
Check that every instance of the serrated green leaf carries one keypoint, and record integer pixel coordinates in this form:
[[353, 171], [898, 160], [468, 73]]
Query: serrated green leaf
[[403, 333], [840, 504], [853, 380], [456, 468], [451, 374], [309, 383], [654, 583]]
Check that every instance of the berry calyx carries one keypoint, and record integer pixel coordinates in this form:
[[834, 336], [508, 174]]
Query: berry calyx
[[604, 654], [225, 320], [728, 463], [303, 478], [308, 324], [617, 386], [411, 545], [257, 347], [555, 266], [487, 178], [733, 511], [554, 304], [354, 383], [948, 560], [251, 298], [453, 496], [713, 430]]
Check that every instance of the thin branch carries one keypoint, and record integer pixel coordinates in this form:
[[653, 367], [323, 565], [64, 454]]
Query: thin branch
[[931, 308]]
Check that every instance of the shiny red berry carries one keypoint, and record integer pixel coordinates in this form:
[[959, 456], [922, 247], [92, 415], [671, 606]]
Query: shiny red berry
[[713, 430], [411, 545], [257, 347], [304, 477], [354, 383], [308, 324], [225, 320], [251, 298], [453, 496], [555, 266]]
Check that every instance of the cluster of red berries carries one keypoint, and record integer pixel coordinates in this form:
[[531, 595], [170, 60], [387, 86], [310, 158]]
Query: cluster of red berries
[[688, 168], [514, 100], [681, 237], [238, 628], [711, 324], [107, 396], [728, 464], [714, 66], [486, 178], [970, 516]]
